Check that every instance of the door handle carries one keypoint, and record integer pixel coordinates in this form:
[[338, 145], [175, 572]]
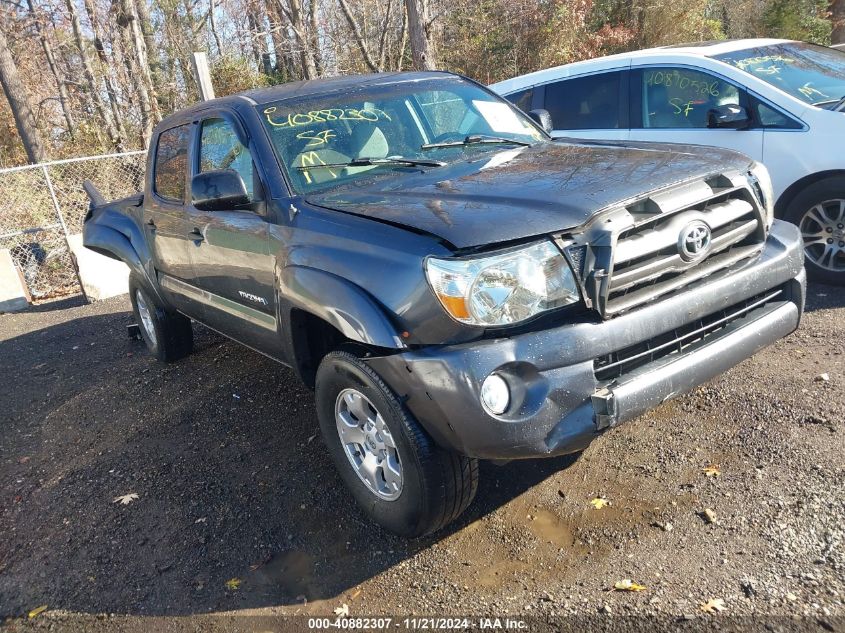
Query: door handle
[[196, 236], [151, 224]]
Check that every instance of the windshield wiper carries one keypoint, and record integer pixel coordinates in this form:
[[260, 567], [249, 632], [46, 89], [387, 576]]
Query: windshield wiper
[[477, 139], [370, 162], [837, 103]]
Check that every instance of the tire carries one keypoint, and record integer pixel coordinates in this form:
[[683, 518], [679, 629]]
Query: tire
[[819, 211], [168, 335], [435, 486]]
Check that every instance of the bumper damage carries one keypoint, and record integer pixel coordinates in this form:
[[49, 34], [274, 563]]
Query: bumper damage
[[570, 383]]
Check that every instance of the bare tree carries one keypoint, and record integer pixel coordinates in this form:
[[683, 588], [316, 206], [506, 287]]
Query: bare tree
[[422, 48], [88, 72], [64, 98], [837, 17], [293, 10], [19, 102], [359, 38]]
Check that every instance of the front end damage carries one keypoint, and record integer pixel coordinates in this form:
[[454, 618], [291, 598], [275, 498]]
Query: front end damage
[[570, 382]]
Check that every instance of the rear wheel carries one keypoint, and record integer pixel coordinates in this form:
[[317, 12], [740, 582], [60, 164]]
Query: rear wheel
[[398, 476], [168, 335], [819, 212]]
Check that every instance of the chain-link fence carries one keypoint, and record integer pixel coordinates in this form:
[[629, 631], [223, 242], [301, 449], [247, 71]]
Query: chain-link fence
[[41, 205]]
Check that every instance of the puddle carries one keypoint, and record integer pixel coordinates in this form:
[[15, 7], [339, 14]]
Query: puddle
[[289, 575], [548, 527]]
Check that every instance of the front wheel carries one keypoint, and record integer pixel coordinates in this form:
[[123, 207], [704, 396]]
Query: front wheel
[[819, 212], [398, 476]]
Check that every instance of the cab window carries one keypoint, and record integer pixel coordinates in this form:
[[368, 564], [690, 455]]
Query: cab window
[[585, 103], [681, 98], [220, 148], [171, 163]]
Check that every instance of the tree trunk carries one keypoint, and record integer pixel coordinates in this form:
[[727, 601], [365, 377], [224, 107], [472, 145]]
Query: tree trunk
[[300, 31], [421, 47], [213, 22], [152, 53], [314, 37], [382, 43], [116, 110], [128, 19], [359, 39], [64, 98], [837, 18], [88, 72], [19, 102], [403, 40], [279, 52]]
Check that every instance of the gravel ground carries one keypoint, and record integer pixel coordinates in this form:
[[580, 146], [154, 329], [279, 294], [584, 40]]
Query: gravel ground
[[239, 511]]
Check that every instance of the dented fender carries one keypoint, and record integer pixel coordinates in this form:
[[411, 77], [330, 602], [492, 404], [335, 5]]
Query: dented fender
[[117, 233], [340, 303]]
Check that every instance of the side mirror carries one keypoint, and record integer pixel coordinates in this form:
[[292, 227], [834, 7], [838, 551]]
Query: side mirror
[[218, 190], [543, 119], [729, 116]]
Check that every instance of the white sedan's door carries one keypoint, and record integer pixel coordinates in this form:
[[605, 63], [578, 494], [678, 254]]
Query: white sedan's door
[[670, 105]]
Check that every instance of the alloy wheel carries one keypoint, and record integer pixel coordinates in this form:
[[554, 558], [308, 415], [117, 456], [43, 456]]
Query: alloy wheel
[[146, 316], [368, 444], [823, 230]]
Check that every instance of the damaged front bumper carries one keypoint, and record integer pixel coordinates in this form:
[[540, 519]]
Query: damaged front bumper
[[570, 383]]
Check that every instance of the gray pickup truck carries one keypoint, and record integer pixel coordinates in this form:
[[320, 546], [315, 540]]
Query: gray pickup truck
[[453, 284]]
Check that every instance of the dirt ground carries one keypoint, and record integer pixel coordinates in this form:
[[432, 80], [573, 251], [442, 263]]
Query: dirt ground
[[238, 509]]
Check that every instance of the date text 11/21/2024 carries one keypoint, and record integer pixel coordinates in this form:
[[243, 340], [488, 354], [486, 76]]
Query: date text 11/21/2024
[[418, 623]]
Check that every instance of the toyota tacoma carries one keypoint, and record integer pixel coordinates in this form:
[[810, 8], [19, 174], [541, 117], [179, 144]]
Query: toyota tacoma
[[452, 283]]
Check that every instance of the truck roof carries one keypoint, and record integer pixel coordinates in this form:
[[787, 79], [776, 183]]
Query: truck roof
[[307, 87]]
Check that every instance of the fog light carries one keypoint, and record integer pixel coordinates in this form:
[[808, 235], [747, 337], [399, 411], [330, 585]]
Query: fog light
[[495, 394]]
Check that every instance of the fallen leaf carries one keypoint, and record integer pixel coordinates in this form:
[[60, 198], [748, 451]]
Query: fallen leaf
[[125, 500], [599, 502], [714, 605], [708, 515], [823, 377], [342, 611], [24, 459], [355, 595], [37, 611], [712, 470], [628, 585], [233, 583]]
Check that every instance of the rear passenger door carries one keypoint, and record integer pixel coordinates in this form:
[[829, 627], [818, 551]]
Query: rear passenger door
[[591, 106], [669, 104], [165, 222]]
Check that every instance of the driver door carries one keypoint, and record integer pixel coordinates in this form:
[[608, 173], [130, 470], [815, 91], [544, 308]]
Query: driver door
[[230, 252]]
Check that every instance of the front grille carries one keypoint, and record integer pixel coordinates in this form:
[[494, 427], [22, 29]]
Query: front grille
[[616, 364], [648, 260]]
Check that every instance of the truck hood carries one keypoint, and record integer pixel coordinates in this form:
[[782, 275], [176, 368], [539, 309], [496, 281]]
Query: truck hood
[[514, 193]]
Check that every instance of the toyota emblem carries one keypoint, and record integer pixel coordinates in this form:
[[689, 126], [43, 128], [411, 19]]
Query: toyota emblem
[[694, 242]]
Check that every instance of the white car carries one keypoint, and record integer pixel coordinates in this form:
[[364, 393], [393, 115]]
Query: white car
[[779, 101]]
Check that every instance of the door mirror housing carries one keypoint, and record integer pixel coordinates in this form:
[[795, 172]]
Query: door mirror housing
[[218, 190], [543, 119], [731, 116]]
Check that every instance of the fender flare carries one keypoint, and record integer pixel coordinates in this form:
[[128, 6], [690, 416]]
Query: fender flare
[[340, 303], [116, 235]]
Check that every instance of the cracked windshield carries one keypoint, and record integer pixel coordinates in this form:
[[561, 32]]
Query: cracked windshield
[[329, 140]]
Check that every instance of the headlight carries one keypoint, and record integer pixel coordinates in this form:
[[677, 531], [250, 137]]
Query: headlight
[[764, 181], [505, 288]]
